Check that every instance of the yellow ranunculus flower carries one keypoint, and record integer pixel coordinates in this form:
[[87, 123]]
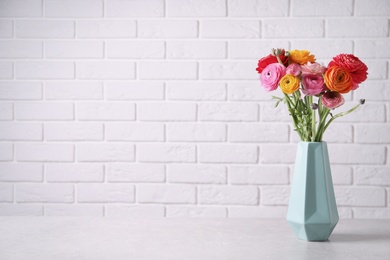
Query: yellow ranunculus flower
[[301, 56], [289, 84]]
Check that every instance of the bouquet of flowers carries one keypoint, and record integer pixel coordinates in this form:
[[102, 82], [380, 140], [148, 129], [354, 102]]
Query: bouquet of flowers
[[311, 89]]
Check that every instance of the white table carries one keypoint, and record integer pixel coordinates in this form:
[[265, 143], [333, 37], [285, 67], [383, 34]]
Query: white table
[[58, 238]]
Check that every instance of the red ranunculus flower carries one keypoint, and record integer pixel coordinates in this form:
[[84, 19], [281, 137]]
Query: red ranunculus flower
[[356, 68], [264, 62]]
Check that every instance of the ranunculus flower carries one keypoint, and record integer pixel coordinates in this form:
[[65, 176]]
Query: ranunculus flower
[[338, 79], [271, 75], [332, 99], [264, 62], [353, 65], [313, 68], [313, 84], [293, 69], [301, 56], [289, 84]]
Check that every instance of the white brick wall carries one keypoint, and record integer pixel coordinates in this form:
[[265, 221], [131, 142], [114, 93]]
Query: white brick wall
[[154, 108]]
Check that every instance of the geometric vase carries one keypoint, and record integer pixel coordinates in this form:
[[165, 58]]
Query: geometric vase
[[312, 211]]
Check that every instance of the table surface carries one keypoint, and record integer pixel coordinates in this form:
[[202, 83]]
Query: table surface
[[171, 238]]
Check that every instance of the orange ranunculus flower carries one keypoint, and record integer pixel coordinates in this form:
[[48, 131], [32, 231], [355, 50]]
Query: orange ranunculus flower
[[301, 57], [289, 84], [338, 79]]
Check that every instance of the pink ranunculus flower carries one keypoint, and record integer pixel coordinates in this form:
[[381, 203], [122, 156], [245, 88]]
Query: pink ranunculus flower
[[313, 84], [332, 99], [294, 69], [271, 75], [313, 68]]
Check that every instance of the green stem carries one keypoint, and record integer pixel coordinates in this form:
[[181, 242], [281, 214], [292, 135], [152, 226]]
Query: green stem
[[340, 115], [289, 103]]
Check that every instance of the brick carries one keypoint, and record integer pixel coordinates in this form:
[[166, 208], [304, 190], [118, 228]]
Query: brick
[[341, 174], [166, 153], [283, 153], [357, 154], [373, 91], [229, 195], [6, 70], [15, 49], [6, 28], [74, 49], [258, 175], [278, 195], [228, 112], [134, 90], [136, 211], [258, 8], [62, 193], [360, 197], [105, 70], [134, 132], [357, 27], [44, 152], [157, 193], [187, 49], [378, 69], [166, 112], [345, 213], [371, 112], [372, 48], [44, 111], [20, 8], [44, 29], [105, 111], [372, 8], [6, 111], [193, 173], [21, 131], [181, 132], [74, 90], [79, 131], [6, 192], [373, 133], [258, 133], [372, 213], [248, 91], [230, 29], [121, 172], [373, 176], [105, 193], [21, 210], [254, 49], [293, 28], [44, 69], [138, 8], [106, 152], [60, 172], [270, 113], [21, 172], [196, 212], [239, 70], [174, 70], [135, 49], [74, 210], [6, 152], [188, 8], [75, 8], [278, 212], [167, 28], [338, 133], [320, 47], [106, 29], [196, 91], [11, 90], [221, 153], [319, 8]]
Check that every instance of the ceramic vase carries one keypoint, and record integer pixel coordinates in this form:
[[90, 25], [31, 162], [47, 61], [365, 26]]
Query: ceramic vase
[[312, 211]]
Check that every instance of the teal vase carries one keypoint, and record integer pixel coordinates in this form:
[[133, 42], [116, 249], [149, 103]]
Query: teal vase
[[312, 211]]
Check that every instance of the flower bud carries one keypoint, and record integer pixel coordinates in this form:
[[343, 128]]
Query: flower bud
[[314, 106], [362, 101]]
